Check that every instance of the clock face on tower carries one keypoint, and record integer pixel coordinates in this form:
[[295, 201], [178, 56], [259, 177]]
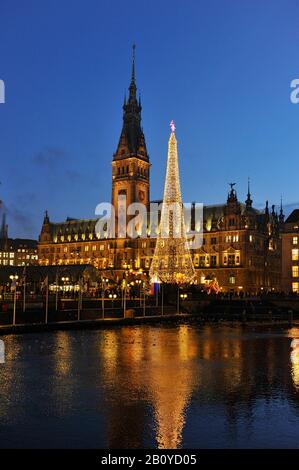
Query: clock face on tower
[[141, 195]]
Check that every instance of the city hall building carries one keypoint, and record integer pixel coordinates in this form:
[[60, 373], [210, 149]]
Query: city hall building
[[241, 247]]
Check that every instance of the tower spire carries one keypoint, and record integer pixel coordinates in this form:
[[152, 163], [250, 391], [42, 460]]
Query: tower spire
[[132, 138], [281, 214], [248, 201], [132, 87], [4, 228], [133, 63]]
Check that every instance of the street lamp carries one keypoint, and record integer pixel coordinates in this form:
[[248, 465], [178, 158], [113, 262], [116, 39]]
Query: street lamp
[[104, 281], [65, 279], [14, 279], [138, 282], [112, 297]]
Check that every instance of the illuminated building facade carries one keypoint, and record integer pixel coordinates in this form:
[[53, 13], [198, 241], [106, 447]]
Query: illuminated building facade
[[290, 253], [241, 245]]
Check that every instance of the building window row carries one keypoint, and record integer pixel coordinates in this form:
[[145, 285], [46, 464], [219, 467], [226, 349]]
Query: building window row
[[232, 238]]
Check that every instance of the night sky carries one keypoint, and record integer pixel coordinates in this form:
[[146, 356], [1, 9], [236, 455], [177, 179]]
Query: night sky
[[220, 69]]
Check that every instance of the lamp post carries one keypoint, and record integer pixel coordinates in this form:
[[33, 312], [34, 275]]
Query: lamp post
[[24, 289], [138, 282], [103, 298], [56, 293], [183, 297], [65, 280], [112, 297], [144, 299], [80, 297], [103, 284], [14, 279]]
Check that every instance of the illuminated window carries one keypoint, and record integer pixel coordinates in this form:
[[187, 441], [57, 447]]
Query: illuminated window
[[235, 238], [232, 279], [225, 260], [295, 240], [143, 244], [65, 249], [102, 247], [86, 248], [295, 254], [295, 287], [94, 247], [295, 271]]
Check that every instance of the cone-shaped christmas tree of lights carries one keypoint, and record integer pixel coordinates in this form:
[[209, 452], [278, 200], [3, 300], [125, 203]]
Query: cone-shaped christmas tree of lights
[[172, 261]]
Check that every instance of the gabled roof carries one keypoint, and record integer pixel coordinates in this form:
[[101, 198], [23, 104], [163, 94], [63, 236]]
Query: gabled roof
[[293, 217]]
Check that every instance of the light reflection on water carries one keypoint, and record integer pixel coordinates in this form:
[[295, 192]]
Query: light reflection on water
[[150, 386]]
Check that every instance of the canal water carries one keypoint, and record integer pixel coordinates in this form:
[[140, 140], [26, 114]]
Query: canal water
[[152, 386]]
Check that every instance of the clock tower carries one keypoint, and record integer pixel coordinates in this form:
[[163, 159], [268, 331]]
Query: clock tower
[[130, 164]]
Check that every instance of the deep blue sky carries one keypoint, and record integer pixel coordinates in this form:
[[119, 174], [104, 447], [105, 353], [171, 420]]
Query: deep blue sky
[[220, 69]]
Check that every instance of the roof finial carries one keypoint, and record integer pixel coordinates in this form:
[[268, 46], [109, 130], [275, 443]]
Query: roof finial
[[46, 217]]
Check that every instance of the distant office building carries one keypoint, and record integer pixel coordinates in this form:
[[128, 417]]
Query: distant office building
[[17, 251]]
